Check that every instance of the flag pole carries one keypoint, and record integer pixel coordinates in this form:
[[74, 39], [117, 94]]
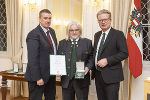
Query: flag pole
[[130, 85]]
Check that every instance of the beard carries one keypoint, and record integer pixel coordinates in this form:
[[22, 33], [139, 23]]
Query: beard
[[74, 37]]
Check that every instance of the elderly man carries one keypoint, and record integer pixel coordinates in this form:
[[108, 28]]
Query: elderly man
[[75, 49], [110, 49]]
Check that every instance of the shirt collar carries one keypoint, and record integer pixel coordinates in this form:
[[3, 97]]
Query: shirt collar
[[75, 40], [44, 29], [106, 31]]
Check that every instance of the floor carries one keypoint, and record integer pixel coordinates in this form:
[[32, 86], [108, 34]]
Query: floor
[[92, 94], [11, 98]]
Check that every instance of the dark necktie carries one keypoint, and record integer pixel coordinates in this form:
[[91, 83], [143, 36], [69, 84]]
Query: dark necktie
[[73, 61], [50, 41], [100, 50]]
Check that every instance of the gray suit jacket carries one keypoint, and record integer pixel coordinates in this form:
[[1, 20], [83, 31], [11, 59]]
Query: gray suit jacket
[[39, 50], [115, 50], [84, 53]]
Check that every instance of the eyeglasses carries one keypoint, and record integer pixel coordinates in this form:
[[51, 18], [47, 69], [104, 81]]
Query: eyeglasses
[[104, 20], [73, 30]]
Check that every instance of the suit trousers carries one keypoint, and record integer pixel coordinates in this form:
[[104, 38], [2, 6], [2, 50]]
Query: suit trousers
[[106, 91], [74, 88], [48, 89]]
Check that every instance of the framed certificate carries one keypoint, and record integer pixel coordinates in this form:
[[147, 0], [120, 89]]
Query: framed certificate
[[57, 65]]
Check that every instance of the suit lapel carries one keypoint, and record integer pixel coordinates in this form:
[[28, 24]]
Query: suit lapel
[[97, 39], [69, 44], [43, 34], [78, 47], [108, 39], [45, 37]]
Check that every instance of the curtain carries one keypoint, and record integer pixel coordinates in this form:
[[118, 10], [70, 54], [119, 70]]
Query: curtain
[[120, 10], [14, 34], [89, 20]]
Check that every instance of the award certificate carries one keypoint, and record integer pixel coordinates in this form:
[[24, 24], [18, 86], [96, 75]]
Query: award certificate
[[57, 65]]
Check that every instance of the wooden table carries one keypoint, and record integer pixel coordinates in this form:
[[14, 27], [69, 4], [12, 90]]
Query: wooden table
[[7, 76]]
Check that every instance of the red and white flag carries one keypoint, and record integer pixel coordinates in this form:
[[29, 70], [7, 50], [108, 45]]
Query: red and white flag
[[134, 40]]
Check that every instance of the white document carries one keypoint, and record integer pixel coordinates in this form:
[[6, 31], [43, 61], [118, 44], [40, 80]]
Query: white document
[[57, 65]]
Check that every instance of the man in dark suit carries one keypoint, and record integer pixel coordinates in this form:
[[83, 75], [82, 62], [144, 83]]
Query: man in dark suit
[[110, 49], [41, 42], [70, 84]]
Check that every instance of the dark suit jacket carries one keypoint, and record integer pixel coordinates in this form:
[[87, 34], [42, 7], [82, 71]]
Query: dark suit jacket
[[115, 50], [84, 53], [39, 50]]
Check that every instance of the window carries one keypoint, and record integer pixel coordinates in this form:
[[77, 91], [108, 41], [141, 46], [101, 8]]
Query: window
[[145, 7], [3, 27]]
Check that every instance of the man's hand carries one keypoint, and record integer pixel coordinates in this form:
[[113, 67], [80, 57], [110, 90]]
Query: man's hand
[[86, 70], [102, 63], [40, 82]]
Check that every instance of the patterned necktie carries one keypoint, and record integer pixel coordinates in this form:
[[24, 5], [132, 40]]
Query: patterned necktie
[[100, 50], [73, 61], [50, 41]]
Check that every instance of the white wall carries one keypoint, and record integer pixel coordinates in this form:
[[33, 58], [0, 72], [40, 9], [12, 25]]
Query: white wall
[[137, 91], [5, 64]]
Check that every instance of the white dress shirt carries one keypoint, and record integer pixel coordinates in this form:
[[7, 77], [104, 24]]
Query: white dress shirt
[[45, 30], [106, 34]]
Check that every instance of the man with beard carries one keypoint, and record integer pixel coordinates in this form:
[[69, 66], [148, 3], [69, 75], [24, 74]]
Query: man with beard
[[75, 49]]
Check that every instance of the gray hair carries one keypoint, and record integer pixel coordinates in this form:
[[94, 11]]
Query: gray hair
[[73, 23], [104, 11]]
